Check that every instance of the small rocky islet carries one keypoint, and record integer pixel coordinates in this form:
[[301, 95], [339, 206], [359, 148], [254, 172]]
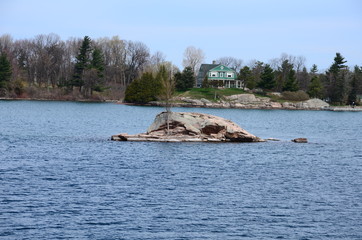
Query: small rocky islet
[[199, 127], [190, 127]]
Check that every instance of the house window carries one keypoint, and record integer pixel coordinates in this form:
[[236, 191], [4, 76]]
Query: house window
[[230, 75], [213, 74], [221, 74]]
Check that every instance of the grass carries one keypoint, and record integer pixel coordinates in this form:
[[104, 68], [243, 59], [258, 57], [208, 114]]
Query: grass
[[210, 93]]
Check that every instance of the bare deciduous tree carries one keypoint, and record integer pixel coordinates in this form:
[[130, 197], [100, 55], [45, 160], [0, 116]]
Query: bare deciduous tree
[[137, 55], [165, 76], [5, 42], [231, 62], [155, 61], [193, 57], [114, 52], [299, 63]]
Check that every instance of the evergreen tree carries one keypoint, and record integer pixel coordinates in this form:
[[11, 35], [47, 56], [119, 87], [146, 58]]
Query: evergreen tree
[[315, 88], [246, 75], [282, 75], [291, 82], [82, 63], [355, 85], [303, 79], [143, 90], [267, 78], [338, 64], [205, 82], [5, 70], [256, 72], [314, 69], [179, 82], [185, 80], [97, 61], [337, 74], [97, 64]]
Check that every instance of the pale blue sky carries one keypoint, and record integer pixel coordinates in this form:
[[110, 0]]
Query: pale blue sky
[[254, 29]]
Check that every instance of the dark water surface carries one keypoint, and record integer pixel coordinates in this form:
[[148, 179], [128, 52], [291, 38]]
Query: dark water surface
[[61, 177]]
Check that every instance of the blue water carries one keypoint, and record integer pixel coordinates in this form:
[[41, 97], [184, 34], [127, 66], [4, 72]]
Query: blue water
[[61, 177]]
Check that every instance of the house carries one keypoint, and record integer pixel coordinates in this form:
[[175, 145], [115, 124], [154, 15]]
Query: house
[[218, 75]]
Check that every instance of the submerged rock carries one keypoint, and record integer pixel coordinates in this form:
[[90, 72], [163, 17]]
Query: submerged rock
[[191, 127]]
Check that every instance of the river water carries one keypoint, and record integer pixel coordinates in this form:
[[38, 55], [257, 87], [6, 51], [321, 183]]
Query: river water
[[61, 177]]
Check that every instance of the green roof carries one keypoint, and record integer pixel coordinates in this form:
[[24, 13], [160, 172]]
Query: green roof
[[222, 68]]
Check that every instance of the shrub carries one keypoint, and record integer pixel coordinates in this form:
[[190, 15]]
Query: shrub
[[19, 87], [143, 90], [295, 96]]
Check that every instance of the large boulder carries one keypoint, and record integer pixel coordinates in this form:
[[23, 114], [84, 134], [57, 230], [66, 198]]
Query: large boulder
[[189, 127], [316, 103], [243, 98]]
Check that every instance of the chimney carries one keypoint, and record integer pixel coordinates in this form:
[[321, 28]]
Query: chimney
[[213, 62]]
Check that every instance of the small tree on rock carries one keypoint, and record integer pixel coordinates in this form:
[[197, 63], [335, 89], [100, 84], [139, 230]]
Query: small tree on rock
[[167, 90]]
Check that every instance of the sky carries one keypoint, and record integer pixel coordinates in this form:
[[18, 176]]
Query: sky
[[244, 29]]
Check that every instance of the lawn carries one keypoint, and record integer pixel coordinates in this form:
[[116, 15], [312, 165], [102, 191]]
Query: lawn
[[210, 93]]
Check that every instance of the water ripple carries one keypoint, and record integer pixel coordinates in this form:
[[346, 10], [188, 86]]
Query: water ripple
[[68, 182]]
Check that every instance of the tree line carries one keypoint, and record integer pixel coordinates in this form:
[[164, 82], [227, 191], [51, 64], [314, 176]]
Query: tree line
[[82, 67], [338, 85]]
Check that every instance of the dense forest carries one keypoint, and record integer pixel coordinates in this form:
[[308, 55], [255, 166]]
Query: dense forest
[[106, 68]]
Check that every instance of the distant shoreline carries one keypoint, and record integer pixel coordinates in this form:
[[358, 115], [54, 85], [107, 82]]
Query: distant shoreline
[[188, 105], [57, 100]]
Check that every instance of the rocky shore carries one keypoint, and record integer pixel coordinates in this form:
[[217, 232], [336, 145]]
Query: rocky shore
[[190, 127], [247, 101], [250, 101]]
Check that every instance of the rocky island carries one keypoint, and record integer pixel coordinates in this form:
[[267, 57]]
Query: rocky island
[[247, 101], [190, 127]]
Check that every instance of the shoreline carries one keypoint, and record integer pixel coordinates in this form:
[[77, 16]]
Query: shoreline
[[246, 107], [193, 105], [58, 100]]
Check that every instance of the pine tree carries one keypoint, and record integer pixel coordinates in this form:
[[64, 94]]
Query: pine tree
[[283, 75], [97, 61], [267, 78], [246, 75], [82, 63], [336, 75], [5, 70], [314, 69], [355, 84], [189, 77], [315, 88], [303, 79], [291, 82], [97, 64], [143, 90], [205, 82], [185, 80]]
